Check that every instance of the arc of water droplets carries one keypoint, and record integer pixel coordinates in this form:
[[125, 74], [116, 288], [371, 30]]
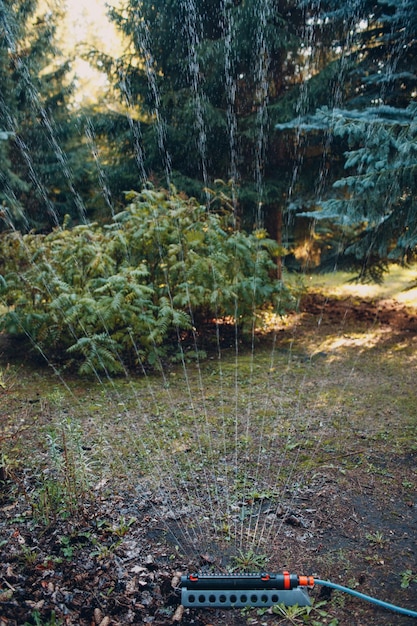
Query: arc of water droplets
[[105, 188], [268, 534], [134, 124], [135, 129], [143, 35], [230, 84], [261, 97], [259, 530], [262, 55], [214, 510], [33, 175], [264, 532], [353, 12], [192, 23]]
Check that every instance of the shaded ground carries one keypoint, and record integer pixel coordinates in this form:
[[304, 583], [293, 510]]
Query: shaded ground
[[329, 491]]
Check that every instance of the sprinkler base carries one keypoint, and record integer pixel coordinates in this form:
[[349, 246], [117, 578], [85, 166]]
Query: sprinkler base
[[239, 598]]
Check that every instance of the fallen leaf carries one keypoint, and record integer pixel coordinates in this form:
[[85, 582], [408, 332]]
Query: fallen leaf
[[177, 617]]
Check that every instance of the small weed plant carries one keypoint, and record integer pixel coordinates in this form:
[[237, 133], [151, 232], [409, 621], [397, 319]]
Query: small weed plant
[[376, 539], [39, 621], [65, 482], [249, 561], [407, 578], [315, 615]]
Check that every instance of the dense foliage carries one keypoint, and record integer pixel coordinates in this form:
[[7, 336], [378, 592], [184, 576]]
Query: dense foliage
[[139, 289]]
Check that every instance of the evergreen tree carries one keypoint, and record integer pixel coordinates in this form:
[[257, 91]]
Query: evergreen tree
[[11, 185], [197, 82], [372, 138], [37, 181], [376, 198]]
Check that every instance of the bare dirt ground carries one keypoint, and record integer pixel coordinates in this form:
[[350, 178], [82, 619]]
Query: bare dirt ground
[[352, 520]]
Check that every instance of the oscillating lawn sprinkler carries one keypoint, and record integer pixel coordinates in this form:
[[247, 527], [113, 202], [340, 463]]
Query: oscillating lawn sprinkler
[[240, 590], [261, 590]]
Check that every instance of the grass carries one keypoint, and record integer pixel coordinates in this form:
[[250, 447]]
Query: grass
[[264, 401], [398, 285], [245, 417]]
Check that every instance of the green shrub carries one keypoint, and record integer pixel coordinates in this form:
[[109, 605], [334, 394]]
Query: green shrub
[[130, 291]]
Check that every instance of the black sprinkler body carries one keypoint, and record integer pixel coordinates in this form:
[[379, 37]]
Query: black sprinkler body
[[240, 590]]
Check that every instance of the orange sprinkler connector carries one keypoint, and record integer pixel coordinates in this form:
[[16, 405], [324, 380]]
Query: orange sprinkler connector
[[287, 580]]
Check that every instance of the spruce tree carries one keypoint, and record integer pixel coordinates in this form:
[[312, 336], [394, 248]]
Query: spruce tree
[[11, 184], [37, 182], [198, 80], [369, 134]]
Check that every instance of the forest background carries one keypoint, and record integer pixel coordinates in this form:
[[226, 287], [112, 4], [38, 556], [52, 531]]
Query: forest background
[[309, 108]]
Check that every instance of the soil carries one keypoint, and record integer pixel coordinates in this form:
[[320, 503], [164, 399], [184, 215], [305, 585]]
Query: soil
[[115, 559]]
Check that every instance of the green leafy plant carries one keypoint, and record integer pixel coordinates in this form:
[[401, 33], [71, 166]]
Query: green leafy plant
[[408, 577], [122, 528], [67, 548], [28, 554], [39, 621], [249, 561], [315, 614], [376, 538], [138, 290], [64, 484]]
